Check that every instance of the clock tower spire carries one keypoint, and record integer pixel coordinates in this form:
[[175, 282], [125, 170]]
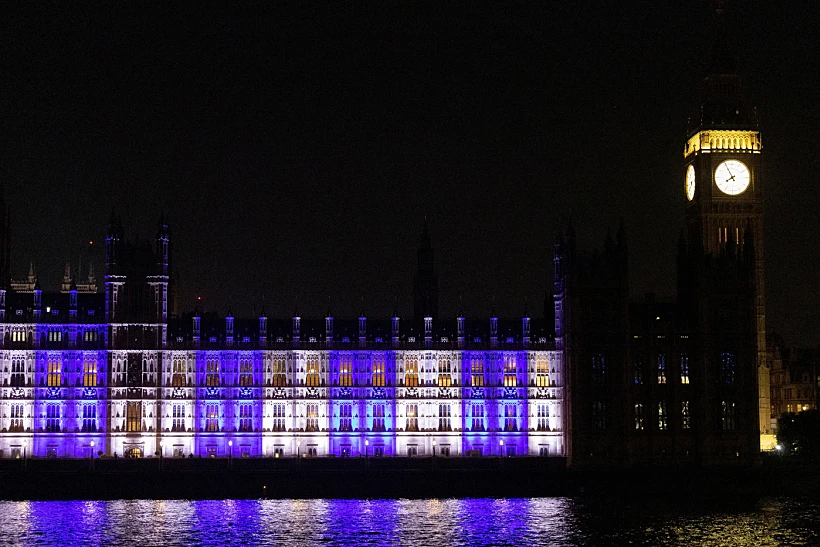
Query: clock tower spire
[[722, 179]]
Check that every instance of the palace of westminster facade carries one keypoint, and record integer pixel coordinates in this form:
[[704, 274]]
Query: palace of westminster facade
[[605, 381]]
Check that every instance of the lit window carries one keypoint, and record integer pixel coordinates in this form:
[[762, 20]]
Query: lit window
[[639, 418], [542, 369], [661, 368], [377, 371], [411, 371], [662, 416], [278, 379], [90, 370], [132, 416], [212, 372], [412, 422], [312, 372], [211, 417], [445, 378], [686, 417], [684, 368], [346, 370], [178, 423], [510, 379], [54, 377], [477, 370], [727, 368]]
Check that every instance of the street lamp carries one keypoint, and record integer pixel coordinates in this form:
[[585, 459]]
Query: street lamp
[[434, 448], [298, 449], [230, 454], [91, 459], [501, 442]]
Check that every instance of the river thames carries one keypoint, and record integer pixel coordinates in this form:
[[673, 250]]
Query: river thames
[[468, 522]]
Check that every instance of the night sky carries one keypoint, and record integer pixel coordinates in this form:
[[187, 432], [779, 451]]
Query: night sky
[[297, 150]]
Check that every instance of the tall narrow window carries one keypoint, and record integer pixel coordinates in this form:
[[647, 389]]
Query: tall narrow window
[[478, 417], [411, 371], [663, 417], [477, 370], [412, 423], [178, 379], [245, 417], [278, 412], [684, 368], [639, 417], [346, 417], [18, 372], [510, 379], [54, 377], [245, 371], [346, 370], [685, 415], [278, 379], [312, 375], [378, 417], [598, 368], [727, 417], [661, 368], [212, 417], [53, 418], [90, 370], [89, 418], [16, 418], [444, 371], [312, 421], [727, 368], [212, 372], [133, 416], [179, 418], [542, 371], [543, 417], [510, 417], [377, 371], [444, 418]]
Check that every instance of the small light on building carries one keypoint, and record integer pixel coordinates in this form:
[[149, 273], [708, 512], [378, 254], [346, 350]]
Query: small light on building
[[48, 309]]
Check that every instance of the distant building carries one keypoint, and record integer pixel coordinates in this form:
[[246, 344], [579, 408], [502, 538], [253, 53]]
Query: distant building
[[794, 379]]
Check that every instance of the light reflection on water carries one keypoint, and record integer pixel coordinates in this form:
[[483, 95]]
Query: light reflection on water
[[542, 521]]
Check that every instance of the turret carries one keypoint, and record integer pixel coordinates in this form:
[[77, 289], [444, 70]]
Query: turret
[[263, 328], [428, 331], [394, 328], [229, 328], [362, 329], [493, 329], [329, 325], [297, 327], [197, 324], [38, 301], [525, 327], [163, 249], [460, 320], [72, 301]]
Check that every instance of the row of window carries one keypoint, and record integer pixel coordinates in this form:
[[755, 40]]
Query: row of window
[[727, 369], [661, 415]]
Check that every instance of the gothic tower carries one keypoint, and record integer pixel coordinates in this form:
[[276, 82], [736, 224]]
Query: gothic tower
[[722, 179], [425, 284]]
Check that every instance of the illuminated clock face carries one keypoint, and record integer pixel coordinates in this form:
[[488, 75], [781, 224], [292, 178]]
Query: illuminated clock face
[[690, 183], [732, 177]]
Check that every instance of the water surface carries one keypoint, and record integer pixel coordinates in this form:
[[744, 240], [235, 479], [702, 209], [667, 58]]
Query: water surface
[[467, 522]]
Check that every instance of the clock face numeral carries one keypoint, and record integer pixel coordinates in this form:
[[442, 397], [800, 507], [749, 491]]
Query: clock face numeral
[[690, 183], [732, 177]]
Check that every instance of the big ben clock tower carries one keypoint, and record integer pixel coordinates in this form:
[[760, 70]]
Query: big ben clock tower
[[722, 182]]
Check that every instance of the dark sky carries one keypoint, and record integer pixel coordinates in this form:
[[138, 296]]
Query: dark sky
[[296, 149]]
